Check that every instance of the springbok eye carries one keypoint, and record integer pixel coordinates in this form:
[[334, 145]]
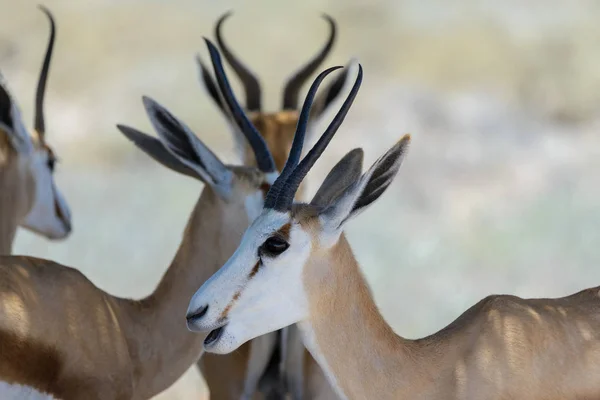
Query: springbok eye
[[51, 162], [274, 246]]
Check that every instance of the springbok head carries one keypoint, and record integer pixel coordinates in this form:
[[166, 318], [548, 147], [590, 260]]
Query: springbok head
[[261, 288], [178, 148], [276, 127], [235, 193], [29, 156]]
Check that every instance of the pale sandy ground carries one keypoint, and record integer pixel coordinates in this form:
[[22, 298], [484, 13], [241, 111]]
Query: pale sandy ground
[[499, 193]]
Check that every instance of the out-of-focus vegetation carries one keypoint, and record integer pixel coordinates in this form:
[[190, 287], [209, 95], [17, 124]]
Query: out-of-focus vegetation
[[499, 192]]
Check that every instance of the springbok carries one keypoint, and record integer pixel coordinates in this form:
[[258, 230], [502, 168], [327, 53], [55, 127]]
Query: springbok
[[28, 195], [277, 128], [250, 369], [295, 266], [62, 336]]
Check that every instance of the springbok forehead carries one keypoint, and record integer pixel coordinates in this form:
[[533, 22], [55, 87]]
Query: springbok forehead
[[284, 117], [269, 223], [252, 186], [253, 177], [265, 225], [277, 129]]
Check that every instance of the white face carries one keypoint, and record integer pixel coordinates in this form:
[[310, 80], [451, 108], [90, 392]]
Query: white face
[[256, 291], [49, 214]]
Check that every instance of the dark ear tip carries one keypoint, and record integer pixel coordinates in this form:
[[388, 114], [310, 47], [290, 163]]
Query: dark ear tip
[[149, 103], [127, 131], [357, 153]]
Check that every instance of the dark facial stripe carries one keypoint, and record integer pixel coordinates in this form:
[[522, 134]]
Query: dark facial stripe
[[254, 270], [235, 298]]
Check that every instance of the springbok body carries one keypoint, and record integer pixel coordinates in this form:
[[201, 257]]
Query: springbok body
[[504, 347], [28, 195], [62, 336], [279, 359]]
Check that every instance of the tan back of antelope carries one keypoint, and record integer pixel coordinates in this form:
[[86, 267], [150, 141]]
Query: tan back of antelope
[[249, 368], [28, 195], [503, 347]]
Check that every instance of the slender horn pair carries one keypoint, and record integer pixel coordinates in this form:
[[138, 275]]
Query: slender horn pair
[[294, 83], [281, 195]]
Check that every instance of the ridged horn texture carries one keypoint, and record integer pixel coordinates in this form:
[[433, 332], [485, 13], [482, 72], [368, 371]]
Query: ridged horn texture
[[38, 123], [282, 192], [264, 159], [293, 85], [248, 79]]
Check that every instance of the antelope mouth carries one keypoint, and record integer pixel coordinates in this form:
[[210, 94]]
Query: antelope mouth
[[214, 336], [62, 213], [64, 219]]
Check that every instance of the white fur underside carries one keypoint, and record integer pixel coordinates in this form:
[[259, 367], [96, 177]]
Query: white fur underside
[[10, 391]]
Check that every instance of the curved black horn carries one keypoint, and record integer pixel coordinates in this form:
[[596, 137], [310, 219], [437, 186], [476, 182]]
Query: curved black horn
[[296, 150], [38, 122], [210, 84], [264, 159], [293, 85], [288, 190], [251, 84]]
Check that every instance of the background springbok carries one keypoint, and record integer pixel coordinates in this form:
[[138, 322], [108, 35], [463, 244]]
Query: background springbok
[[277, 128], [63, 336], [504, 347], [28, 195], [278, 361]]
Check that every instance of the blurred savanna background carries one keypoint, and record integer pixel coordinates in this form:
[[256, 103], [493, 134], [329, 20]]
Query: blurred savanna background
[[500, 190]]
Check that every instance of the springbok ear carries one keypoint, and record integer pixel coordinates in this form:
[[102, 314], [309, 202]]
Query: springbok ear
[[155, 149], [11, 123], [331, 92], [358, 196], [210, 85], [185, 146], [343, 174]]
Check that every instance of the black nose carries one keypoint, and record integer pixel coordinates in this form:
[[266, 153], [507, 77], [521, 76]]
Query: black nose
[[196, 315]]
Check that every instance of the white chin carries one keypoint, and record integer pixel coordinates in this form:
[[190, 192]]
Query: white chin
[[226, 344]]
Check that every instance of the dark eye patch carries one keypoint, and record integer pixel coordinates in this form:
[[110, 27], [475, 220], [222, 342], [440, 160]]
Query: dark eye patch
[[274, 246]]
